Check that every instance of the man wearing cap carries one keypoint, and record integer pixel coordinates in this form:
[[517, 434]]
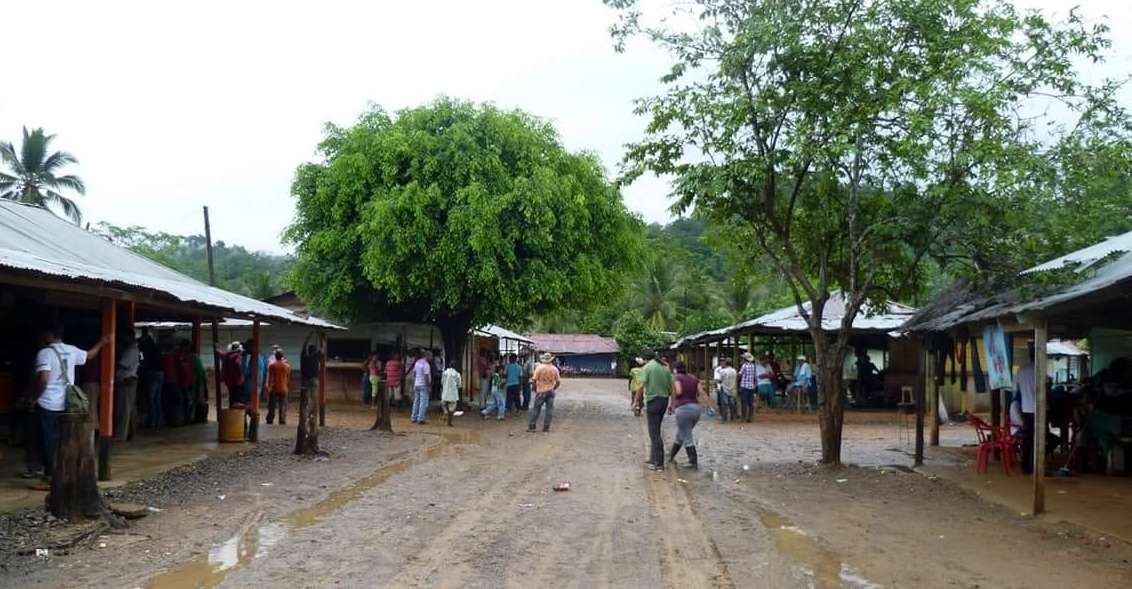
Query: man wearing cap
[[232, 373], [546, 381], [747, 386]]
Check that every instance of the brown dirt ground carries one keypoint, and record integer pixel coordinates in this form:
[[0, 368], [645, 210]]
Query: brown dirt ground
[[473, 506]]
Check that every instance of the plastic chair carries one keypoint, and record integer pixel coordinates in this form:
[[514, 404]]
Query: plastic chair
[[992, 438]]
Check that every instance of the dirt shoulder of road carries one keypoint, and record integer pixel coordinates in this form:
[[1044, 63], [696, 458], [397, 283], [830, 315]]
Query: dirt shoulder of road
[[196, 507]]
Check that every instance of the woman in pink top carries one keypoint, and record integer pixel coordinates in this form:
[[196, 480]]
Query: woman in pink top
[[686, 405], [393, 373]]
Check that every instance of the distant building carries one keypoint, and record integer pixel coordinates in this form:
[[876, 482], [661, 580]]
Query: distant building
[[580, 354]]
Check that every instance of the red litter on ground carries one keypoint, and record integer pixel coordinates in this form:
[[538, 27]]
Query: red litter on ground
[[562, 487]]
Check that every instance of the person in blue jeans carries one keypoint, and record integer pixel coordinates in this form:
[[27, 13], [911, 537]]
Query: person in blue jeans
[[422, 384], [513, 375], [498, 404]]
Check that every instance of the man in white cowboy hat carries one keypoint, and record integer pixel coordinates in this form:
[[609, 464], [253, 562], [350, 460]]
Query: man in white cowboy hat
[[747, 380], [546, 381]]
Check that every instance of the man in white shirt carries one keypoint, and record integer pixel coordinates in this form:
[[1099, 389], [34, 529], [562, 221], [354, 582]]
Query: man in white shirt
[[55, 368], [728, 380], [1025, 384], [450, 383]]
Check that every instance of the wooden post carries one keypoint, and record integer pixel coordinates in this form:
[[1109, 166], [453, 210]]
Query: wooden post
[[253, 425], [920, 386], [1040, 427], [322, 379], [199, 415], [106, 387], [933, 383], [216, 362], [74, 491]]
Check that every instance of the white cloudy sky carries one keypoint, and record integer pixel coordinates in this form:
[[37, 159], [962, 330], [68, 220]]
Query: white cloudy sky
[[171, 106]]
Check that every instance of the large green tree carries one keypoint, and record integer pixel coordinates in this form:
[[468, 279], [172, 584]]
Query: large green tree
[[33, 174], [848, 141], [458, 214]]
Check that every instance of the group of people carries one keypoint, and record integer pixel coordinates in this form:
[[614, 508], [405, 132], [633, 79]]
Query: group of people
[[273, 376]]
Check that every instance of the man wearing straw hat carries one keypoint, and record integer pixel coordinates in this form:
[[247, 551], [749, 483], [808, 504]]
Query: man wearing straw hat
[[546, 381]]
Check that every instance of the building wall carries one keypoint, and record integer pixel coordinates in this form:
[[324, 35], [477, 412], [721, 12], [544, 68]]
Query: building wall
[[587, 364]]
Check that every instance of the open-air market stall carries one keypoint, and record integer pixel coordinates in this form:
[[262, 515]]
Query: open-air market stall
[[56, 276], [1084, 294]]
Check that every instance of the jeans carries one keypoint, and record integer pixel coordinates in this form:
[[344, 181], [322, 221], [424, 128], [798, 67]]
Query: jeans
[[1027, 443], [526, 395], [48, 437], [237, 394], [153, 381], [728, 409], [540, 400], [485, 390], [767, 393], [125, 403], [367, 390], [496, 403], [277, 400], [420, 403], [747, 398], [655, 409], [513, 398]]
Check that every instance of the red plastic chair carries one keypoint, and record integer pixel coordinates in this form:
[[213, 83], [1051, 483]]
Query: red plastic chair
[[992, 438]]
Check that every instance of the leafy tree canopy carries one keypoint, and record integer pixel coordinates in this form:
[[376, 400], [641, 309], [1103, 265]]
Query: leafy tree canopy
[[459, 214]]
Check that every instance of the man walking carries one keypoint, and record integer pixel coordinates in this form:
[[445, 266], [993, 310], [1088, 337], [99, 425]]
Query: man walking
[[747, 386], [513, 374], [728, 380], [278, 379], [422, 384], [450, 383], [55, 369], [528, 372], [546, 381], [658, 384]]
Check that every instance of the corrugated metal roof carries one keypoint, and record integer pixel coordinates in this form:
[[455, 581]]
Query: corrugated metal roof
[[493, 330], [963, 304], [574, 343], [883, 319], [1057, 347], [33, 239]]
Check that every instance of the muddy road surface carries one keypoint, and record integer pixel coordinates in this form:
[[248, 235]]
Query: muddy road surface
[[474, 506]]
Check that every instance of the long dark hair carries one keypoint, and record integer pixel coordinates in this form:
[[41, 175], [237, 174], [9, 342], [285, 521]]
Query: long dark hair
[[681, 368]]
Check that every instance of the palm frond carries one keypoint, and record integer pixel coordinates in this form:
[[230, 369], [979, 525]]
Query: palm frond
[[70, 209], [8, 156], [57, 160], [34, 150], [69, 181]]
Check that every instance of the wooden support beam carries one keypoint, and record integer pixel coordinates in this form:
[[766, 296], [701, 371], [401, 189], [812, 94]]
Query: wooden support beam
[[920, 387], [322, 379], [254, 386], [216, 362], [107, 361], [933, 385], [1040, 427]]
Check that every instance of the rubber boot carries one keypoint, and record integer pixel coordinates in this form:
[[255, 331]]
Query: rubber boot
[[449, 418], [693, 458], [672, 453]]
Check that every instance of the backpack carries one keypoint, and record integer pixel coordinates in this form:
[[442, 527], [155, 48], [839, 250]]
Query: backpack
[[75, 399]]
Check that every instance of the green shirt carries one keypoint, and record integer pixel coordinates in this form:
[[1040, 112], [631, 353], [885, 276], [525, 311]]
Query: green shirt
[[657, 380]]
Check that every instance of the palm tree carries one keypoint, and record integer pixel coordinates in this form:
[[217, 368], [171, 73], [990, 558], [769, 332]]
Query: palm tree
[[738, 299], [657, 295], [31, 176]]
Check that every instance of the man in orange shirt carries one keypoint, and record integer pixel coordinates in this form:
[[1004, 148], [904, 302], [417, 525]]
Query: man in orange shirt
[[546, 381], [278, 379]]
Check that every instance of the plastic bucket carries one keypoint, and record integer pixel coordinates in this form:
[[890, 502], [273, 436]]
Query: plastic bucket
[[232, 425]]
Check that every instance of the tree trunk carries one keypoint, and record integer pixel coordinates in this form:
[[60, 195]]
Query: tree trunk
[[831, 414], [306, 442], [74, 487], [384, 421]]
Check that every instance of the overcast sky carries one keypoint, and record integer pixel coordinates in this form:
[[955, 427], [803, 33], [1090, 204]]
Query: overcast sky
[[173, 106]]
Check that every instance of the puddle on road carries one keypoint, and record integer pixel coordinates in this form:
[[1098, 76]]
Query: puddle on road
[[208, 570], [828, 570]]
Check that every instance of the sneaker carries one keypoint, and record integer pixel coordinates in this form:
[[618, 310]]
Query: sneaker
[[531, 430], [31, 474], [498, 419], [546, 429]]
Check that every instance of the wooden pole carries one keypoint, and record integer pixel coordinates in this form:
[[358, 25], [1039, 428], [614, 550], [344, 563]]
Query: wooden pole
[[199, 416], [215, 323], [253, 426], [322, 379], [933, 383], [74, 490], [1040, 427], [920, 386], [106, 387]]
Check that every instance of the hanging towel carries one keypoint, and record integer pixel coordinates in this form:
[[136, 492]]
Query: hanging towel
[[977, 368]]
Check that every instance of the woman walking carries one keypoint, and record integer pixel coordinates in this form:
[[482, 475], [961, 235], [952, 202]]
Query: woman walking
[[686, 406]]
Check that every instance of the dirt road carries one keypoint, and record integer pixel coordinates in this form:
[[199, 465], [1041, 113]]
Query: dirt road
[[473, 506]]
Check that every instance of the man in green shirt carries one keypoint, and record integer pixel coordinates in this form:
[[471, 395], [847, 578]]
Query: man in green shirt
[[657, 382]]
